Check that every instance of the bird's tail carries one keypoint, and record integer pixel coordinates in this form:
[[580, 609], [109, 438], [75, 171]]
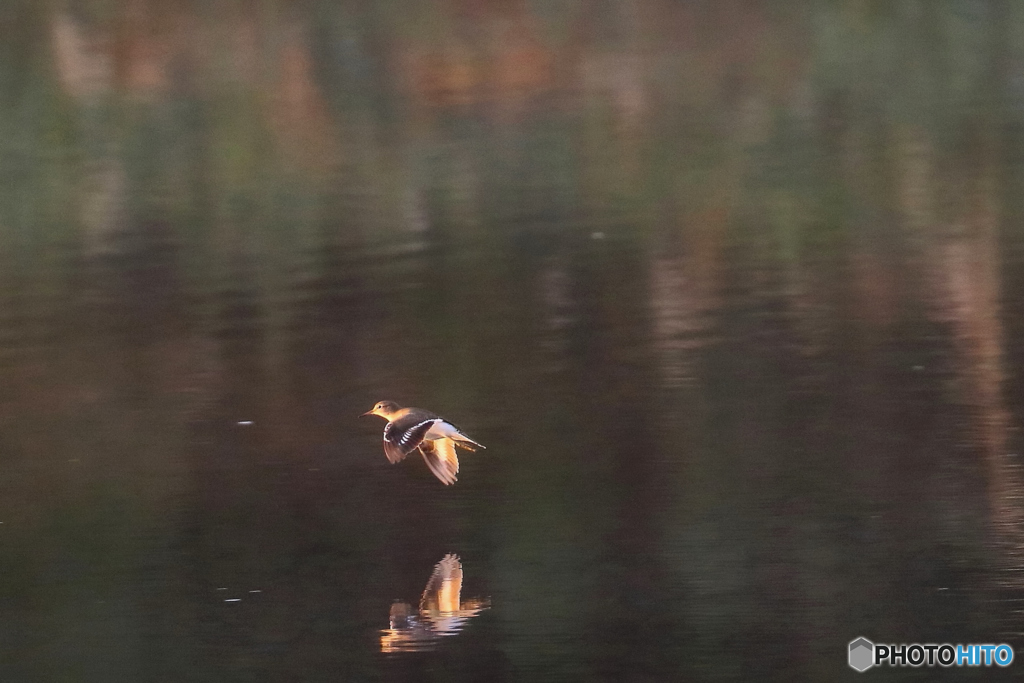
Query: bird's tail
[[463, 441]]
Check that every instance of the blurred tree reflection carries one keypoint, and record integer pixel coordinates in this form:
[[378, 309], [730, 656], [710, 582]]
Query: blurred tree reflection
[[748, 270]]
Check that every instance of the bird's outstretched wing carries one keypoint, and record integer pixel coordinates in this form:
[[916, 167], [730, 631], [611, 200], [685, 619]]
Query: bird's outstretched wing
[[402, 437], [444, 588], [441, 459]]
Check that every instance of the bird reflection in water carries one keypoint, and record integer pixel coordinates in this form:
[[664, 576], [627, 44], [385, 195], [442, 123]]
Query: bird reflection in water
[[442, 612]]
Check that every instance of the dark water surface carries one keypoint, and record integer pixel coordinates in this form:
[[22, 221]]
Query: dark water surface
[[731, 291]]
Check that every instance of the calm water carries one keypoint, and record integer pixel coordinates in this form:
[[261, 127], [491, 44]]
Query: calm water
[[732, 292]]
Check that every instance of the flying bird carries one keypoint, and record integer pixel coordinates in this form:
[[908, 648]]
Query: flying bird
[[410, 429]]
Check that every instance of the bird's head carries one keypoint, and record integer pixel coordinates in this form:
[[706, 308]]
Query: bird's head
[[383, 409]]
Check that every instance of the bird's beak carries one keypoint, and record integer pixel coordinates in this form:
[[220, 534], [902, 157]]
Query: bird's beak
[[368, 412]]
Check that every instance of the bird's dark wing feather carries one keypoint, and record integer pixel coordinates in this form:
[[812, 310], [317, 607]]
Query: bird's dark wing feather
[[403, 436]]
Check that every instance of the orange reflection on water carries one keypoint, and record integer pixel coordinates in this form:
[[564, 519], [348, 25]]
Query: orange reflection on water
[[442, 612]]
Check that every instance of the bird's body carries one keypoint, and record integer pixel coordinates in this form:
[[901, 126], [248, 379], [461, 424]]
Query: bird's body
[[410, 429]]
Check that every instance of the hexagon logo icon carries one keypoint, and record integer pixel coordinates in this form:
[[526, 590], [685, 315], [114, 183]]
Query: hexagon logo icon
[[862, 654]]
